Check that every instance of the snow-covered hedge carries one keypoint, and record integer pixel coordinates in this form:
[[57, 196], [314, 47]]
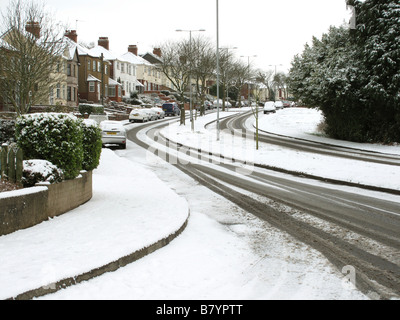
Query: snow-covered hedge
[[55, 137], [36, 171], [92, 145], [62, 139]]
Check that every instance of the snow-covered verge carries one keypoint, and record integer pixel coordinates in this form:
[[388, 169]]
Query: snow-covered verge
[[223, 254], [295, 122], [128, 212]]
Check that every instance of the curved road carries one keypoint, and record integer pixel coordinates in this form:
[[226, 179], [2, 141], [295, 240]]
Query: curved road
[[357, 230]]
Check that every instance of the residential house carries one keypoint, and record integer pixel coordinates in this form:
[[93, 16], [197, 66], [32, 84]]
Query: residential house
[[146, 73], [155, 58], [122, 71], [73, 63], [52, 91], [94, 73]]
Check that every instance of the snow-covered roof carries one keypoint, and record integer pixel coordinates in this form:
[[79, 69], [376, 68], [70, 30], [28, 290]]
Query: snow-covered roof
[[134, 59], [107, 54], [71, 46], [91, 78], [112, 82]]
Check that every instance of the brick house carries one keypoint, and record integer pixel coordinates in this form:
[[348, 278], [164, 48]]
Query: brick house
[[73, 63], [93, 74]]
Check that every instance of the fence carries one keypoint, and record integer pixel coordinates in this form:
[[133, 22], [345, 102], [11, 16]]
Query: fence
[[11, 166]]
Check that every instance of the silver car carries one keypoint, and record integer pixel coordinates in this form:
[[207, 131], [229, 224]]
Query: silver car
[[113, 133]]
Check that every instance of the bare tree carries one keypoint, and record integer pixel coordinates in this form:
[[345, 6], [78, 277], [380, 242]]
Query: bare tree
[[241, 77], [175, 66], [204, 67], [31, 56]]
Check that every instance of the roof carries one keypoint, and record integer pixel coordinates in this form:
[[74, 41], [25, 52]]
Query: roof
[[134, 59], [107, 54], [91, 78]]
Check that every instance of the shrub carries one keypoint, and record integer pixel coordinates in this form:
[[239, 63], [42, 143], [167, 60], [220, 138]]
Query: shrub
[[53, 137], [91, 108], [7, 131], [36, 171], [92, 145]]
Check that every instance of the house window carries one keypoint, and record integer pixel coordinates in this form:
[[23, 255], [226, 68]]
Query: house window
[[123, 67], [58, 94], [91, 86], [106, 69], [98, 66], [69, 94], [69, 73], [106, 90], [111, 91], [94, 65], [88, 65]]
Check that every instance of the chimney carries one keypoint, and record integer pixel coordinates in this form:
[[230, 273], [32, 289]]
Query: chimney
[[157, 52], [133, 49], [72, 35], [33, 28], [104, 42]]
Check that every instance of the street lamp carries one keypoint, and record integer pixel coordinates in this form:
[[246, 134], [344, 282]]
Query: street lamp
[[190, 77], [218, 129]]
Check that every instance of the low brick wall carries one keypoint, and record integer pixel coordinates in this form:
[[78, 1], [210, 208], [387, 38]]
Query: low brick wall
[[25, 208]]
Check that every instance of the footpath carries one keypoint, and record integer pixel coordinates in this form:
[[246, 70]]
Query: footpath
[[132, 214]]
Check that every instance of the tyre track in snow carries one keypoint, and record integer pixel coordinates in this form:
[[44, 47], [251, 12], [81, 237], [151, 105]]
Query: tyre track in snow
[[377, 273]]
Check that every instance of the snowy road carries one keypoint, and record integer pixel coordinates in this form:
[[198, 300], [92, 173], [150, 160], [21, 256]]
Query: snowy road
[[352, 229]]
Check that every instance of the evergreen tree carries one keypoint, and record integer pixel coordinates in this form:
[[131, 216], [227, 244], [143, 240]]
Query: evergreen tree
[[353, 75]]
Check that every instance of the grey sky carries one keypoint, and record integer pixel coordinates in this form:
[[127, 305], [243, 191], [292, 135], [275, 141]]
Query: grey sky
[[273, 30]]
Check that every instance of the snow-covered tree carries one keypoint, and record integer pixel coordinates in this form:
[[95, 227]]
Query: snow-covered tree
[[353, 75]]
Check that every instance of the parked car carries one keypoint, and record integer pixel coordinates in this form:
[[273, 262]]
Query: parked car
[[139, 115], [171, 109], [269, 107], [160, 112], [208, 105], [286, 104], [98, 117], [113, 132], [278, 104], [152, 114]]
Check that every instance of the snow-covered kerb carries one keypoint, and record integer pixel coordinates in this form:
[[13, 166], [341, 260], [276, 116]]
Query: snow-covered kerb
[[25, 208]]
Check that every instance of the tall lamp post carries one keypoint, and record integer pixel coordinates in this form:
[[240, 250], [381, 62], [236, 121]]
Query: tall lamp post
[[190, 77], [218, 129]]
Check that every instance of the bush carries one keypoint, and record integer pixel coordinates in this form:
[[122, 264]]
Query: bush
[[92, 145], [7, 131], [91, 109], [36, 171], [53, 137]]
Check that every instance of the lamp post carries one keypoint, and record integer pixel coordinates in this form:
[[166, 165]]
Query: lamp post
[[190, 72], [218, 129]]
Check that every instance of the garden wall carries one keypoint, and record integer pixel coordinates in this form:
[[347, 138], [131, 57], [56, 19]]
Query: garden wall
[[25, 208]]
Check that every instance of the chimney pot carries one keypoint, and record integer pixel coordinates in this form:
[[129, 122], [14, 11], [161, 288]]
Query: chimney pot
[[72, 35], [33, 28], [104, 42], [133, 49]]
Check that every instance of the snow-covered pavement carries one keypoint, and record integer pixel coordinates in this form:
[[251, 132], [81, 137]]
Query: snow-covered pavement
[[224, 253]]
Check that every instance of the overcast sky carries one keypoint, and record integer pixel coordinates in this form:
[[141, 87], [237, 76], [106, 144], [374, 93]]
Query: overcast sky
[[274, 30]]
